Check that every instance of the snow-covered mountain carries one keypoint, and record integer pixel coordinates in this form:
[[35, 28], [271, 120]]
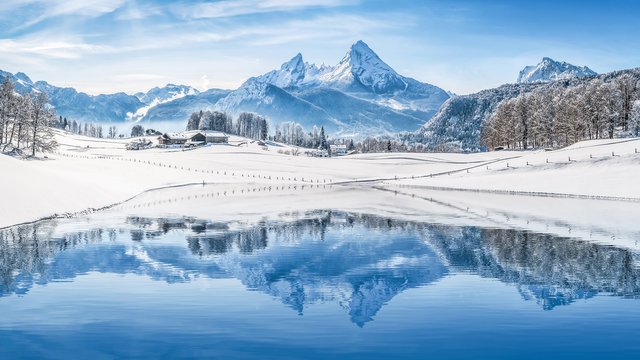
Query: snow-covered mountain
[[291, 73], [160, 95], [278, 105], [105, 108], [362, 69], [551, 70], [361, 95], [174, 111], [166, 93]]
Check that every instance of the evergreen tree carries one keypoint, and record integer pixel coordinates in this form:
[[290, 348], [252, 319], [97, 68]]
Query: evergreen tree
[[323, 140]]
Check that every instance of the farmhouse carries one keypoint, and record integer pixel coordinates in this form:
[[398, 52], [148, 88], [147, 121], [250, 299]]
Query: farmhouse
[[210, 137], [194, 138], [172, 139], [338, 150]]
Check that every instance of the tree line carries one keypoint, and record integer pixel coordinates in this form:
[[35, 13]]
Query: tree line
[[254, 126], [249, 125], [25, 121], [293, 133], [597, 109], [88, 129]]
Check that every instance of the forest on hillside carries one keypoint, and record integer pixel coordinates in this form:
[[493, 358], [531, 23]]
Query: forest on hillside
[[560, 116]]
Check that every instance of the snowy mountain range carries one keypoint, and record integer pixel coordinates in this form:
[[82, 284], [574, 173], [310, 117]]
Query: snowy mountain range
[[551, 70], [360, 95], [78, 105]]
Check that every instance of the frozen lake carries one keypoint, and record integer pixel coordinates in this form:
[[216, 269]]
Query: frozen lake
[[173, 275]]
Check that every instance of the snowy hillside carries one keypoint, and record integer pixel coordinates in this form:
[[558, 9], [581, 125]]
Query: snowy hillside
[[457, 125], [551, 70]]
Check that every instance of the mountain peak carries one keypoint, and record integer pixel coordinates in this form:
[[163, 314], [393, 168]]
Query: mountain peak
[[296, 59], [296, 64], [22, 76], [552, 70], [362, 66], [362, 47], [291, 73]]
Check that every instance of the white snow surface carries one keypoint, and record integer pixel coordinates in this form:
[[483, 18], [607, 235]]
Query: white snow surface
[[89, 173]]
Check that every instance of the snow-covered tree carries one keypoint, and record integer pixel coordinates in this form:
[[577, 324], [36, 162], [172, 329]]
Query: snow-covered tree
[[634, 118], [25, 120], [113, 132], [194, 121], [42, 119]]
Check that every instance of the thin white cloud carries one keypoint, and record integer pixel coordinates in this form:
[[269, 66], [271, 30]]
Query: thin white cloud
[[319, 28], [50, 48], [231, 8], [337, 27], [133, 11], [45, 9]]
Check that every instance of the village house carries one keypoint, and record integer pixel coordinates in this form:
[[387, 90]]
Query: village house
[[194, 138], [210, 137], [338, 150]]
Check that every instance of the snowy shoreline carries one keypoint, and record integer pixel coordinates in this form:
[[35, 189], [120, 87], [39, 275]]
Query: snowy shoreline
[[86, 174]]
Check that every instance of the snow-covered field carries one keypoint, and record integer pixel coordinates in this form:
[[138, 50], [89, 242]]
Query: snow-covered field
[[89, 173], [597, 168]]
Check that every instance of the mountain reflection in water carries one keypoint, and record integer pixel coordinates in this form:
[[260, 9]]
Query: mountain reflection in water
[[358, 261]]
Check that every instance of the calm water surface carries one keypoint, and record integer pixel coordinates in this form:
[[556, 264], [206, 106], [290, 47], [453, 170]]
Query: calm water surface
[[328, 284]]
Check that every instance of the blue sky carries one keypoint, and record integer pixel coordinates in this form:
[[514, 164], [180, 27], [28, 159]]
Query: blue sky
[[100, 46]]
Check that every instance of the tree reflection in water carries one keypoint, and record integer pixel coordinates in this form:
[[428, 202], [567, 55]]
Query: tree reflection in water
[[356, 260]]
